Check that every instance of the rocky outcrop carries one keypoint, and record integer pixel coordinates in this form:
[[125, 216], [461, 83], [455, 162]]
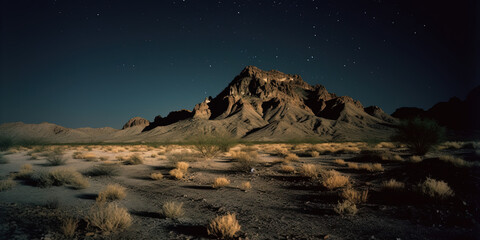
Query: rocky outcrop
[[136, 121]]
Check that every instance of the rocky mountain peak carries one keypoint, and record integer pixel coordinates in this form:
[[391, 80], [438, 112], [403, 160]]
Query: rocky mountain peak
[[136, 121]]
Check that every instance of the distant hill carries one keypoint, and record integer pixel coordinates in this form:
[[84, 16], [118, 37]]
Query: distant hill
[[454, 114]]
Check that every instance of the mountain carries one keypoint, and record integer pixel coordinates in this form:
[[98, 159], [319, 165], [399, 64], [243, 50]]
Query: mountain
[[454, 114], [257, 105]]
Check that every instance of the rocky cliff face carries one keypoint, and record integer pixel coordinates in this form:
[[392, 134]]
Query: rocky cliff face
[[279, 106], [136, 121]]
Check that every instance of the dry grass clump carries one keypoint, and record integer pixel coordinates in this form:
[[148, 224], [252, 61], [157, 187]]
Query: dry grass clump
[[436, 189], [111, 193], [182, 166], [55, 159], [375, 167], [41, 179], [355, 196], [245, 161], [68, 176], [245, 186], [108, 170], [392, 184], [291, 157], [309, 170], [457, 162], [6, 184], [332, 179], [156, 176], [451, 145], [109, 217], [221, 182], [134, 159], [223, 227], [181, 157], [340, 162], [25, 171], [314, 154], [415, 159], [389, 145], [173, 210], [346, 207], [324, 148], [287, 169], [176, 173], [85, 156], [69, 226]]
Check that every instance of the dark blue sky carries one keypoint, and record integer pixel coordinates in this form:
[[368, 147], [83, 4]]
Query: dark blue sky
[[99, 63]]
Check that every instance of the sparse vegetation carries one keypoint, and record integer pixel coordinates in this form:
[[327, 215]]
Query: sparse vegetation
[[69, 226], [245, 186], [109, 217], [346, 207], [245, 161], [68, 176], [6, 184], [108, 170], [291, 157], [182, 166], [210, 146], [176, 173], [111, 193], [392, 184], [134, 159], [41, 179], [25, 171], [85, 156], [55, 159], [314, 154], [355, 196], [456, 161], [436, 189], [223, 227], [156, 176], [340, 162], [419, 135], [287, 169], [309, 170], [221, 182], [332, 179], [375, 167], [173, 210], [415, 159]]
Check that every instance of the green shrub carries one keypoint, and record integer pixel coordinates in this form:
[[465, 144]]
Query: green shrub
[[211, 146], [419, 135]]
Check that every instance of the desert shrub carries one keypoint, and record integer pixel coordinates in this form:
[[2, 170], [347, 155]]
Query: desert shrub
[[452, 145], [55, 159], [69, 226], [108, 170], [314, 154], [457, 162], [221, 182], [385, 145], [245, 186], [375, 167], [173, 210], [415, 159], [134, 159], [176, 173], [309, 170], [346, 207], [41, 179], [67, 176], [223, 227], [245, 161], [85, 156], [182, 166], [340, 162], [156, 176], [287, 169], [291, 157], [3, 160], [392, 184], [109, 217], [355, 196], [211, 146], [6, 184], [436, 189], [419, 135], [25, 171], [111, 193], [332, 179]]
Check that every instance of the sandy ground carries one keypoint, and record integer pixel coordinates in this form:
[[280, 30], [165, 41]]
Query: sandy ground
[[279, 205]]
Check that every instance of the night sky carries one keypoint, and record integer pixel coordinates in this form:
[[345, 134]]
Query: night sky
[[98, 63]]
